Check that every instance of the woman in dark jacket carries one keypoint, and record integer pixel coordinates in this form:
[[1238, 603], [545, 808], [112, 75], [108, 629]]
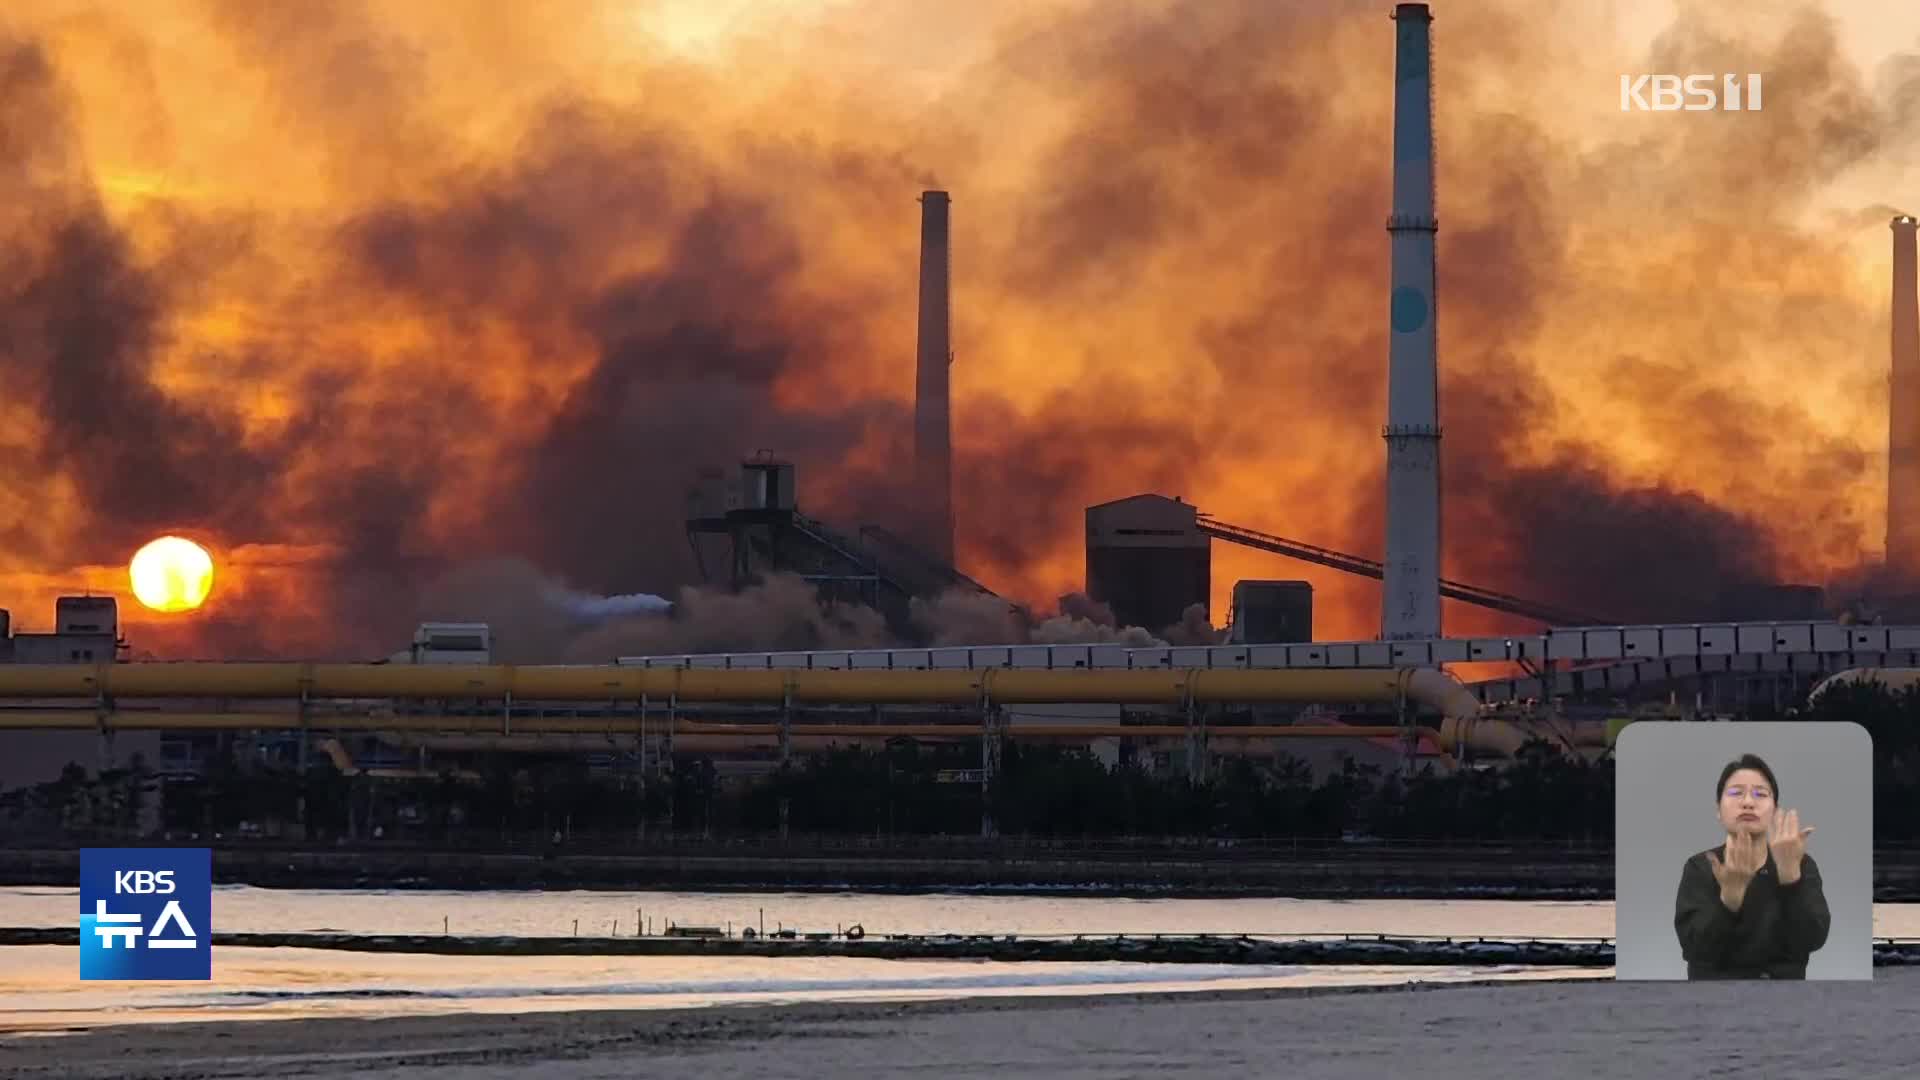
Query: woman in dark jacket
[[1751, 908]]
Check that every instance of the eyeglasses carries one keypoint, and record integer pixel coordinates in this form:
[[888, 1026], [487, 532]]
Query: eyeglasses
[[1759, 793]]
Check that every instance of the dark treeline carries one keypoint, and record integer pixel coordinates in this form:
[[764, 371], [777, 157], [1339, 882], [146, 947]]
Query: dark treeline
[[910, 790]]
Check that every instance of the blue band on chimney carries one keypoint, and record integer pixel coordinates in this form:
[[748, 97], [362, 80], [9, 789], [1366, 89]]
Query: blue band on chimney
[[1409, 310]]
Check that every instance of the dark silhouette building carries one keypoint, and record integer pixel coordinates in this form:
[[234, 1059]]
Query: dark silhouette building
[[86, 630], [1148, 560], [1768, 602], [1272, 612]]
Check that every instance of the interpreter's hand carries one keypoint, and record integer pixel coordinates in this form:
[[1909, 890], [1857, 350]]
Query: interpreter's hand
[[1743, 858], [1789, 843]]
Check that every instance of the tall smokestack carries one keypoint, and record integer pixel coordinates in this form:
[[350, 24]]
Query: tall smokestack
[[1903, 428], [1410, 598], [932, 426]]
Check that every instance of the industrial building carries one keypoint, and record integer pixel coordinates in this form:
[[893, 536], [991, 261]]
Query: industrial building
[[1766, 602], [86, 630], [755, 521], [1269, 689], [448, 643], [1271, 613], [1147, 560], [1150, 555]]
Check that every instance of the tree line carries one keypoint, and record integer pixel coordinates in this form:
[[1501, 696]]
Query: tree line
[[908, 790]]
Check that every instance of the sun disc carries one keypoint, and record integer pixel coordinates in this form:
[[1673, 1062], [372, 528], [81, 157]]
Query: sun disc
[[171, 574]]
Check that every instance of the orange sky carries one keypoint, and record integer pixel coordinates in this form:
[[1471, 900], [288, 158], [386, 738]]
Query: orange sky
[[358, 293]]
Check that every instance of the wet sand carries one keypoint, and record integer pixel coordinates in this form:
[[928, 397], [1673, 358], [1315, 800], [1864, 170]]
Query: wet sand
[[1583, 1028]]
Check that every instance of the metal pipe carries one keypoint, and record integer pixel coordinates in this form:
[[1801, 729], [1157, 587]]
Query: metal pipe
[[621, 726], [753, 735], [376, 685], [1894, 679], [625, 724], [769, 745], [1492, 736], [1006, 686], [561, 734], [1499, 737]]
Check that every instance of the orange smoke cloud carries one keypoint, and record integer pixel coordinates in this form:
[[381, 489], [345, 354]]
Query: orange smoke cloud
[[403, 288]]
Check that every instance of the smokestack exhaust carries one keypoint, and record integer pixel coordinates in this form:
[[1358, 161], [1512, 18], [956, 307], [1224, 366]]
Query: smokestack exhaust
[[1903, 421], [1410, 596], [932, 417]]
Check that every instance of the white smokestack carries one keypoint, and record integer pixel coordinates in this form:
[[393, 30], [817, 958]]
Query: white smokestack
[[932, 430], [1410, 598], [1903, 434]]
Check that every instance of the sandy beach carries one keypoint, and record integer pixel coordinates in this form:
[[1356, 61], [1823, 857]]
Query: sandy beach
[[1586, 1029]]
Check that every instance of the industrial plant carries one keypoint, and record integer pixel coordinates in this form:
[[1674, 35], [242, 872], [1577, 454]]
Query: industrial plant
[[1262, 687]]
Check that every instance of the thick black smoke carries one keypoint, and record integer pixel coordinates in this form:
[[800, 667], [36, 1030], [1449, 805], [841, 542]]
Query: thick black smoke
[[527, 346]]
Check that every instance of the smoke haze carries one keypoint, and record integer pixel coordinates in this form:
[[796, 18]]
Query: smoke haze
[[435, 310]]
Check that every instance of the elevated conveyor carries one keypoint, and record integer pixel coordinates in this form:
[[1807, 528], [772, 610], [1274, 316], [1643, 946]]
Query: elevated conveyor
[[1354, 564]]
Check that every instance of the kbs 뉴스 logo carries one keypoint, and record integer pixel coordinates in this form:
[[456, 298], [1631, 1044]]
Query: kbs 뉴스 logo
[[146, 913]]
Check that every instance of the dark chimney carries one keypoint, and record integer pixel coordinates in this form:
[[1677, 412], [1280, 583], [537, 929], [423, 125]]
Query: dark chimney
[[1903, 427], [932, 424]]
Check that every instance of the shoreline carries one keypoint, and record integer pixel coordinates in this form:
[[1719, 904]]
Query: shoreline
[[718, 1021], [1215, 1032]]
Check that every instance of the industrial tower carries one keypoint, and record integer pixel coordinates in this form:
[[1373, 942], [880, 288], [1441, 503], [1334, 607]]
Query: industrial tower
[[1903, 422], [1410, 597], [932, 423]]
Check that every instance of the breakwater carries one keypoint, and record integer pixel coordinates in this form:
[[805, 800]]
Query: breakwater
[[1154, 948], [1377, 949]]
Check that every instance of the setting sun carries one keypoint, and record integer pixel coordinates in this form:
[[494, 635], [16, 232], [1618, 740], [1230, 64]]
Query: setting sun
[[172, 574]]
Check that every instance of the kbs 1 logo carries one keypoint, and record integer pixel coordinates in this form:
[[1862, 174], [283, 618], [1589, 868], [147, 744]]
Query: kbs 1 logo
[[146, 913], [1691, 93]]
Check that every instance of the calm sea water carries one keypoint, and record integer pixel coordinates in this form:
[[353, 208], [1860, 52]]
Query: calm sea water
[[553, 913], [549, 913], [40, 988]]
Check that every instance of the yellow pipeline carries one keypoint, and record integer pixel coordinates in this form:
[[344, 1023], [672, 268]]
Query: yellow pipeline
[[1432, 689], [808, 736], [629, 724]]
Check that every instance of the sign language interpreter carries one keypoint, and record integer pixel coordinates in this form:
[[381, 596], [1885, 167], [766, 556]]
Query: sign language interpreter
[[1752, 907]]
